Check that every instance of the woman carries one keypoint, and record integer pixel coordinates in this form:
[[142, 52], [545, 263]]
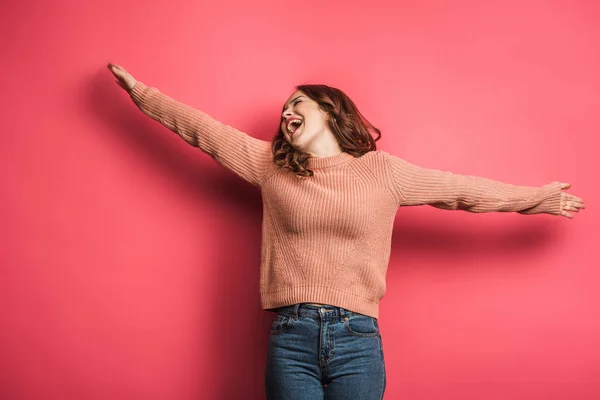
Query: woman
[[330, 199]]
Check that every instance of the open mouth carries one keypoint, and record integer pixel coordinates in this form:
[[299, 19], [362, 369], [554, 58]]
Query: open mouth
[[293, 126]]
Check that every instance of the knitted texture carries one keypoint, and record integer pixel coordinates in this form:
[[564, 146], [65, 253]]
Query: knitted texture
[[327, 238]]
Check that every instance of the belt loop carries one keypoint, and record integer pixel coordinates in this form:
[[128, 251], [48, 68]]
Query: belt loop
[[295, 311]]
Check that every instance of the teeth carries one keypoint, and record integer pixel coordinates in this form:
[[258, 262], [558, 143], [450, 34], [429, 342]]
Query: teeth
[[289, 125]]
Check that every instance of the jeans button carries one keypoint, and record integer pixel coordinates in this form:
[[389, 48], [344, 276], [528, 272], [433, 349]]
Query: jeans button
[[322, 309]]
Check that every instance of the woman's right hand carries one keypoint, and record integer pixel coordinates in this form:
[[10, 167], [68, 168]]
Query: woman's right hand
[[124, 78]]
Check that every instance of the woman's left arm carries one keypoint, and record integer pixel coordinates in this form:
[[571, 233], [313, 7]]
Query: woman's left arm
[[414, 185]]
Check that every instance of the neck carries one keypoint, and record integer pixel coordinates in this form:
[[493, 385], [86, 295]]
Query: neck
[[324, 154], [331, 161], [327, 149]]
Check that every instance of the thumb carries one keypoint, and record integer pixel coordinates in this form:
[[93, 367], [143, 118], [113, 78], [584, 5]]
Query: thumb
[[565, 186]]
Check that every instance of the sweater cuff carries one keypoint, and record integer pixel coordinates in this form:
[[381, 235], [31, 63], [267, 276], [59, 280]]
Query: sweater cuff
[[552, 194], [137, 91], [555, 197]]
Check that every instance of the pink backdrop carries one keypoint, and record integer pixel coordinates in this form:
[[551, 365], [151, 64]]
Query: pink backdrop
[[130, 259]]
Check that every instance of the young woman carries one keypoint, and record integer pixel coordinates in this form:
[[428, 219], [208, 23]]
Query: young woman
[[330, 199]]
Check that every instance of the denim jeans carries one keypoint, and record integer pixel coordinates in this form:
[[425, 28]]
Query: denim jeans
[[324, 352]]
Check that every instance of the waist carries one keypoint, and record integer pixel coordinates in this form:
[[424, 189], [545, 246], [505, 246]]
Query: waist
[[315, 311]]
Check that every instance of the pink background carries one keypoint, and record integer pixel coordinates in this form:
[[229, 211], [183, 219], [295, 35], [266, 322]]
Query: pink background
[[130, 259]]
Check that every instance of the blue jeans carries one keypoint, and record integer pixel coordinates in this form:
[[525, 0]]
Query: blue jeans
[[324, 353]]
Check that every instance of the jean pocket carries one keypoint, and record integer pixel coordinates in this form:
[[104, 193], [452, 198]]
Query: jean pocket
[[361, 325], [280, 324]]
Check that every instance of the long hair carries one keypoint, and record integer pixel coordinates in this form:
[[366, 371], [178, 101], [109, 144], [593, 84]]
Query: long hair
[[351, 129]]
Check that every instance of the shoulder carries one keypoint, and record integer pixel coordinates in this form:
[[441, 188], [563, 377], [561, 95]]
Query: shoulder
[[375, 157], [375, 160]]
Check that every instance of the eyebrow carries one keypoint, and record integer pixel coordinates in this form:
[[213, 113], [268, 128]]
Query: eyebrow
[[294, 99]]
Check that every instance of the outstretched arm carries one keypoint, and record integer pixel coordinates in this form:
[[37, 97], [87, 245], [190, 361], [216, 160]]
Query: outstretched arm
[[246, 156], [414, 185]]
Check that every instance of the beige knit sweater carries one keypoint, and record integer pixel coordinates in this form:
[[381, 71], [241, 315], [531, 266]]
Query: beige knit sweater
[[327, 238]]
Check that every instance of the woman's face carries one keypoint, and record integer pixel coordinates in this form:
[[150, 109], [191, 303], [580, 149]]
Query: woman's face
[[303, 123]]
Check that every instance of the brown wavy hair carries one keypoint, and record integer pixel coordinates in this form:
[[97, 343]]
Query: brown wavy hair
[[351, 129]]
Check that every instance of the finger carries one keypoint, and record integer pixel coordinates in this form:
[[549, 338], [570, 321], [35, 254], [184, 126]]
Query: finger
[[565, 186], [576, 201], [573, 203], [570, 197], [571, 208], [118, 70], [117, 73], [566, 214]]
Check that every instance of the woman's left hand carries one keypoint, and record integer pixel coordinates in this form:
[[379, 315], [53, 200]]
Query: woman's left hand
[[568, 202]]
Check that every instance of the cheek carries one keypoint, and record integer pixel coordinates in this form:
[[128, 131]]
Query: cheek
[[315, 124]]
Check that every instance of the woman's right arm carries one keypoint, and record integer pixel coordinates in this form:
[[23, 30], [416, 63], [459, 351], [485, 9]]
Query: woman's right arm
[[246, 156]]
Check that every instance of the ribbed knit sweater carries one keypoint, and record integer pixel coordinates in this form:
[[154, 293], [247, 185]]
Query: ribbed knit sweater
[[327, 238]]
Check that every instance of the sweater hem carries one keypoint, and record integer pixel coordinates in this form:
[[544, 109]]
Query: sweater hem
[[322, 295]]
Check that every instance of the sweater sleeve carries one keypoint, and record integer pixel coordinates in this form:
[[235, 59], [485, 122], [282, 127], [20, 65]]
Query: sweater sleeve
[[246, 156], [414, 185]]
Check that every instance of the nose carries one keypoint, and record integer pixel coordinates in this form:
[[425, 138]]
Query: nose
[[286, 113]]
